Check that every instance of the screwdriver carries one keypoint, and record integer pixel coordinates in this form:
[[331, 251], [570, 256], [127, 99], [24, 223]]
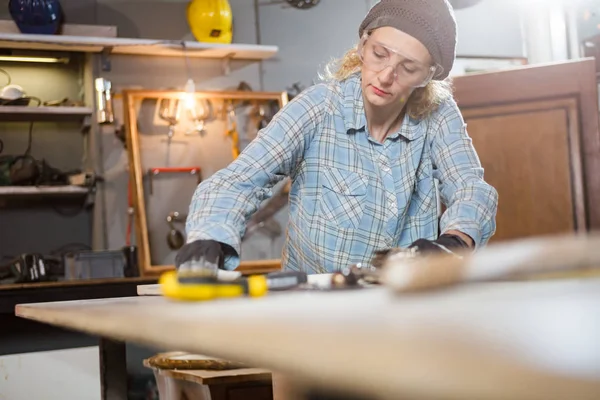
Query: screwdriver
[[201, 288]]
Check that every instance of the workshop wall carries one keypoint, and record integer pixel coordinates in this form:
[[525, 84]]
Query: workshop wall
[[308, 39]]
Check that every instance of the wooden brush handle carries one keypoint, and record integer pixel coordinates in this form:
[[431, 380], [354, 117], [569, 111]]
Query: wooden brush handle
[[496, 261]]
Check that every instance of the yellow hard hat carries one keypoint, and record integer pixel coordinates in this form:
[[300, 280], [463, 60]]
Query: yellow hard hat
[[210, 20]]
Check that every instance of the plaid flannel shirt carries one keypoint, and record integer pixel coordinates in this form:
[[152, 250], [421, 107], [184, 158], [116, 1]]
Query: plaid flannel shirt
[[350, 194]]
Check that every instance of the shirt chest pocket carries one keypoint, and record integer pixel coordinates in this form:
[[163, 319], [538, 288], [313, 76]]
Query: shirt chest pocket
[[424, 195], [342, 196]]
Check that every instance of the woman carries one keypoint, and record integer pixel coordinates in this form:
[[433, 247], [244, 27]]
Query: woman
[[362, 150]]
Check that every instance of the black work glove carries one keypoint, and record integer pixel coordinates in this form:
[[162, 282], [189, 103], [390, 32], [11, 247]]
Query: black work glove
[[201, 254], [446, 243]]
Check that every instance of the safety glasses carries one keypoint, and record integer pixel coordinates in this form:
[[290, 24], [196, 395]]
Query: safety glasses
[[407, 71]]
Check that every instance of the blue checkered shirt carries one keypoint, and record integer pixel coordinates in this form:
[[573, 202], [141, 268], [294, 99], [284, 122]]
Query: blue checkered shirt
[[350, 194]]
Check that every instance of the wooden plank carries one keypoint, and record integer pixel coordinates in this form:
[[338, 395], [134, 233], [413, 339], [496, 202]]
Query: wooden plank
[[74, 283], [259, 266], [42, 190], [149, 290], [9, 26], [535, 340]]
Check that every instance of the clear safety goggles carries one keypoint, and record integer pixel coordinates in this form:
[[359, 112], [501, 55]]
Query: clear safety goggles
[[407, 71]]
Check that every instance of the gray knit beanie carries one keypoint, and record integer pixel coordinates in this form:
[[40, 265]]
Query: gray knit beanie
[[431, 22]]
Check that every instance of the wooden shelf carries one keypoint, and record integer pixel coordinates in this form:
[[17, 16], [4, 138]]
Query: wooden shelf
[[77, 282], [33, 113], [42, 190], [39, 292], [146, 47]]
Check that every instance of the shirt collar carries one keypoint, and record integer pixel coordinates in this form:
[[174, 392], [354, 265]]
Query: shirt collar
[[354, 112]]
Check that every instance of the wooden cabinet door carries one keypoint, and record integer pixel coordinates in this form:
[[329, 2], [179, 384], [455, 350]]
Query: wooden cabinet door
[[531, 155], [535, 130]]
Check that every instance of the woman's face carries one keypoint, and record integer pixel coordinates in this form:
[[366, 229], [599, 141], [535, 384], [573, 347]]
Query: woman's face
[[394, 63]]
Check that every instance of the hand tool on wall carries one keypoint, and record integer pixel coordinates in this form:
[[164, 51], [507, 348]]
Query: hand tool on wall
[[200, 118], [153, 172], [170, 111], [231, 129], [130, 215], [522, 258], [303, 4], [263, 120], [175, 238], [104, 102], [202, 288], [294, 90]]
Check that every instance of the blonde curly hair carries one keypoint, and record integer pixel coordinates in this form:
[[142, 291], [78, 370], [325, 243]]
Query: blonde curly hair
[[422, 102]]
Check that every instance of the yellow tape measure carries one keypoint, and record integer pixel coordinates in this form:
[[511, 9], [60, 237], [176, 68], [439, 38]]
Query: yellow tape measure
[[205, 288]]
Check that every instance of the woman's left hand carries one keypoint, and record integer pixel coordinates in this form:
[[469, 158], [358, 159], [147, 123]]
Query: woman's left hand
[[446, 243]]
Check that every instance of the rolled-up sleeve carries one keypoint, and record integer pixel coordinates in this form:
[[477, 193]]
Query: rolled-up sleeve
[[471, 203], [223, 203]]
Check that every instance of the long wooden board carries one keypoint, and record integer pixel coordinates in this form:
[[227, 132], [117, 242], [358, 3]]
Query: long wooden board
[[517, 340]]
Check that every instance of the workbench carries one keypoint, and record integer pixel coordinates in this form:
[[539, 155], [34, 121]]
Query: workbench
[[505, 340]]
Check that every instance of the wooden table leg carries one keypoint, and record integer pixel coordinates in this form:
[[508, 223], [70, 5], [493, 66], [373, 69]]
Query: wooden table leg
[[113, 370], [173, 389], [325, 395], [284, 388]]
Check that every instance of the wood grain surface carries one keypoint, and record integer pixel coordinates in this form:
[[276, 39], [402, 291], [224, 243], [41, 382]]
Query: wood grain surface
[[500, 261], [518, 340], [526, 155]]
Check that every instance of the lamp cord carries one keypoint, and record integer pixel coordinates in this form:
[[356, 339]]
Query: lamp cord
[[187, 61]]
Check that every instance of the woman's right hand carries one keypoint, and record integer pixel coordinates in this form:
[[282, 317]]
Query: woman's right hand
[[200, 255]]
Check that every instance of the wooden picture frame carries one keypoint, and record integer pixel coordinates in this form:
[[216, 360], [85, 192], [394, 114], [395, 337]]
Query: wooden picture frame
[[136, 175]]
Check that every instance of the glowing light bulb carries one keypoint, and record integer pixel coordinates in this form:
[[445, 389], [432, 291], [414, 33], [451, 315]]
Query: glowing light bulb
[[189, 97]]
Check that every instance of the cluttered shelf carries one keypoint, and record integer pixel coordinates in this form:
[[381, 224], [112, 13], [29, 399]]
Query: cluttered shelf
[[43, 113]]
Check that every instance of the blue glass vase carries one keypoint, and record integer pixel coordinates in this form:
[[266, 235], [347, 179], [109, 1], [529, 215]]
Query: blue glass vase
[[36, 16]]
